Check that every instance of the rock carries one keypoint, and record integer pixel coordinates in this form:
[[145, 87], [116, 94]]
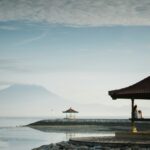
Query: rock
[[125, 148], [43, 147], [107, 148], [66, 145], [136, 147], [97, 148], [62, 144], [83, 148], [51, 145], [70, 146], [56, 147]]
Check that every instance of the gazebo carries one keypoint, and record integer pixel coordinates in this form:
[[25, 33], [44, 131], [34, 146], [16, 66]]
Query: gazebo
[[139, 90], [70, 113]]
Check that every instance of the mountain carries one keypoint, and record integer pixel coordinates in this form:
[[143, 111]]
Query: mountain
[[30, 100], [33, 100]]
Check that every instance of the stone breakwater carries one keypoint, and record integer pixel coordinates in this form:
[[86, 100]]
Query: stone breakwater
[[63, 122], [103, 124], [70, 146]]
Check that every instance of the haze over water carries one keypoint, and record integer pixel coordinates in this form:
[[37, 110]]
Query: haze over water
[[76, 50], [15, 137]]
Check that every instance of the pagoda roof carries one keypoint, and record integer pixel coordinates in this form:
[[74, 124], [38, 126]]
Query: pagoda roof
[[70, 110], [139, 90]]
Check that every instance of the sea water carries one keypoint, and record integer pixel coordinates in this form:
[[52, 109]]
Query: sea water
[[13, 136]]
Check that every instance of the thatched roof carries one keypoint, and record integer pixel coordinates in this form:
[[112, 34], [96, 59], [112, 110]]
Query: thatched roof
[[139, 90], [70, 110]]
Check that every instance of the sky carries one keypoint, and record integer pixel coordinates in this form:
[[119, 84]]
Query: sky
[[78, 49]]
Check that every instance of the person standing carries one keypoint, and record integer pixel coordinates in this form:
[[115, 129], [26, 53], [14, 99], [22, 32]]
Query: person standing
[[135, 112], [140, 116]]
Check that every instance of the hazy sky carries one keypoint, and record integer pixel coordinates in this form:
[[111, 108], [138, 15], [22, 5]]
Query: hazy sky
[[78, 49]]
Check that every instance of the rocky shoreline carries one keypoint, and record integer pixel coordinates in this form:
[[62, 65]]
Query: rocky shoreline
[[80, 125], [67, 145]]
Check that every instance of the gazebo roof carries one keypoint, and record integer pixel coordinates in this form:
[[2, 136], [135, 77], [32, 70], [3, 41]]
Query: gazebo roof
[[70, 110], [139, 90]]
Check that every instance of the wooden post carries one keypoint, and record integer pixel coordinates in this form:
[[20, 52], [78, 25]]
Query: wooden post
[[132, 106], [133, 127]]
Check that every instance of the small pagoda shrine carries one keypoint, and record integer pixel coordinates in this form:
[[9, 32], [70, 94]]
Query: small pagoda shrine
[[70, 113]]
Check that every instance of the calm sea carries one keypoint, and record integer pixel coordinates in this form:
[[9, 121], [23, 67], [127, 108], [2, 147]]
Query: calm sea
[[15, 137]]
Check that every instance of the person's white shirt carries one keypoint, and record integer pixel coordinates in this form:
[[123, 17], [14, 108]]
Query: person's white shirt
[[139, 115]]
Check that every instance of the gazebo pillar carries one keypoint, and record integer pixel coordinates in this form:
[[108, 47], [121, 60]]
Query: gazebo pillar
[[133, 127], [132, 106]]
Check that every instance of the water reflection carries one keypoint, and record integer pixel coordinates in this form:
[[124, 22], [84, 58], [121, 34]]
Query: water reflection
[[76, 131], [70, 135]]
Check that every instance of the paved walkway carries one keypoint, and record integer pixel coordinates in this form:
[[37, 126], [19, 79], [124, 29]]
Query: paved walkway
[[110, 141]]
